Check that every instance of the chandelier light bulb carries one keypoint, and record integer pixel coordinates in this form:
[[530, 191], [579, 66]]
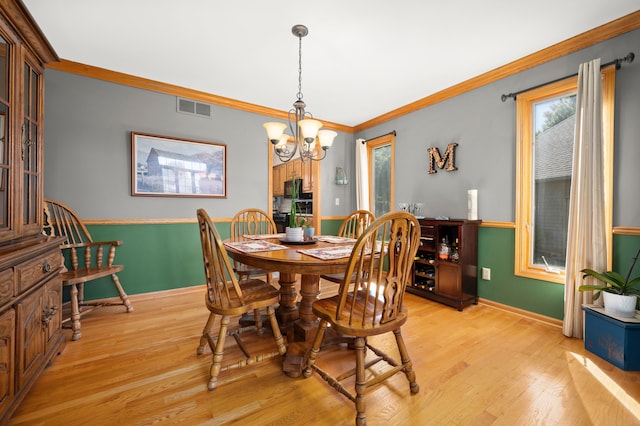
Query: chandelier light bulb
[[309, 128], [326, 138], [274, 131]]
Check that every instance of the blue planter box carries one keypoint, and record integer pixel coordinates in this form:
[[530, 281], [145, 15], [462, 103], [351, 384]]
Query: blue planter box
[[615, 340]]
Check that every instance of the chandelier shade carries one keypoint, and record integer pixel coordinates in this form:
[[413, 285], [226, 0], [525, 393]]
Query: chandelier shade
[[306, 131]]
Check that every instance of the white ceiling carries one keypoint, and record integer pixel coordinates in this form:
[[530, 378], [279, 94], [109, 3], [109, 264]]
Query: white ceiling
[[361, 59]]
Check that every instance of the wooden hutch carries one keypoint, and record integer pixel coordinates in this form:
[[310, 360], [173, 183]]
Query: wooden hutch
[[30, 287]]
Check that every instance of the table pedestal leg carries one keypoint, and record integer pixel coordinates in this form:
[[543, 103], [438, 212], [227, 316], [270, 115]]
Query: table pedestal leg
[[304, 328], [287, 312]]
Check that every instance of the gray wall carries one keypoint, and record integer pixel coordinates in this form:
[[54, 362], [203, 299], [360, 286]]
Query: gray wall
[[87, 147], [88, 150], [484, 128]]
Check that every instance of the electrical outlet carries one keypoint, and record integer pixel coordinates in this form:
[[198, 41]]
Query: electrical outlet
[[486, 274], [337, 201]]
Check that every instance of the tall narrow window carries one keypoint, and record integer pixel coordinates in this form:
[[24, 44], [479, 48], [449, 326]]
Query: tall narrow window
[[380, 155], [545, 135]]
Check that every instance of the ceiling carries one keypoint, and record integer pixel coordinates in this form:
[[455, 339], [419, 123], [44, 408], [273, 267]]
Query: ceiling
[[361, 59]]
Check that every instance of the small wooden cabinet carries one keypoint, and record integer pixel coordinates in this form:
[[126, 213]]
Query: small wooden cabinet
[[307, 176], [278, 180], [452, 280], [284, 172], [30, 262]]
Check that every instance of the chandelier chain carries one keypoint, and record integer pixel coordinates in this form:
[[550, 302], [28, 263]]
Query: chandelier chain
[[299, 67]]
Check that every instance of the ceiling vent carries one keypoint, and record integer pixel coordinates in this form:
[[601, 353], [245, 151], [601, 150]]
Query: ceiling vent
[[187, 106]]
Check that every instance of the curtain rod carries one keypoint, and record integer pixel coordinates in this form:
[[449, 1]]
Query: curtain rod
[[393, 132], [617, 62]]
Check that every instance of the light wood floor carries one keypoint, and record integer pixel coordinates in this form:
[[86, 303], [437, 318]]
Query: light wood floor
[[481, 366]]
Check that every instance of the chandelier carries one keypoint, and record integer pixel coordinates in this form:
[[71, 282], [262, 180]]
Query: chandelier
[[306, 131]]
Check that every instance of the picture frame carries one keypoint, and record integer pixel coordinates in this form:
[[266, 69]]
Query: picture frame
[[163, 166]]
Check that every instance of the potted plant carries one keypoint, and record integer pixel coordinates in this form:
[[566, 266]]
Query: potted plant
[[293, 231], [620, 293], [308, 229]]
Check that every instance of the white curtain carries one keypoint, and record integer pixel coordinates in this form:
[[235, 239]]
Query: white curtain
[[362, 176], [586, 242]]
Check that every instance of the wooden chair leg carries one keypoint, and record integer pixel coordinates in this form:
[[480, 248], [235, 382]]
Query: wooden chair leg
[[361, 382], [80, 297], [218, 352], [277, 335], [123, 295], [257, 319], [406, 362], [315, 348], [206, 334], [75, 313]]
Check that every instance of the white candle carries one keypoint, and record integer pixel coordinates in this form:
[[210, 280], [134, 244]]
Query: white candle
[[472, 204]]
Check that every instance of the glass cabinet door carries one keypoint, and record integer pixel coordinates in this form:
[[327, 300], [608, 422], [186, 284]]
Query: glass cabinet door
[[31, 150], [6, 221]]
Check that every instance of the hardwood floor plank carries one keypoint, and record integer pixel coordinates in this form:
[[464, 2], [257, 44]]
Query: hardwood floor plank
[[482, 366]]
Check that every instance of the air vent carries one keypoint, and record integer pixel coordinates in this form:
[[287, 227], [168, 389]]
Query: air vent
[[187, 106]]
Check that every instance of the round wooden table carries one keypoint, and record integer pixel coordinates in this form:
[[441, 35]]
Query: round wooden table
[[288, 263]]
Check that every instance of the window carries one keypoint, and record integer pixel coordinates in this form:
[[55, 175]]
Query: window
[[380, 158], [545, 135]]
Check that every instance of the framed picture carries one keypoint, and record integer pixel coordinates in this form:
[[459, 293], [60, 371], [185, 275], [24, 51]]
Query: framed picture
[[162, 166]]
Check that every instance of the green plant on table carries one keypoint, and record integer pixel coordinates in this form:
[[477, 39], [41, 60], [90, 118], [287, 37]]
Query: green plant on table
[[294, 195], [613, 281]]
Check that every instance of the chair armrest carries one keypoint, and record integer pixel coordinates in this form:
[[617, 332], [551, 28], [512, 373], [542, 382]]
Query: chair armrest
[[114, 243], [92, 253]]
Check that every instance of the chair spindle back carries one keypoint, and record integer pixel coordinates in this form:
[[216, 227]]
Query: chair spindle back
[[222, 286], [354, 225], [381, 263], [60, 220], [252, 222]]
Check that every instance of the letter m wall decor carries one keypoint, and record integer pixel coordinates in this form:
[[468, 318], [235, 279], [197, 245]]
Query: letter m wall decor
[[449, 158]]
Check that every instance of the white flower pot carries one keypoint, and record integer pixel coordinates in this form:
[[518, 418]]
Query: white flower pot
[[619, 305], [294, 234]]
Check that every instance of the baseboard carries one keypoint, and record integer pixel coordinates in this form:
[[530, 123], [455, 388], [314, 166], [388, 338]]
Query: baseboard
[[521, 312], [155, 294], [201, 289]]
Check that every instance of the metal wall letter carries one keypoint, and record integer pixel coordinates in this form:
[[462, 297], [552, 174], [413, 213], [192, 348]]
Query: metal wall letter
[[434, 155]]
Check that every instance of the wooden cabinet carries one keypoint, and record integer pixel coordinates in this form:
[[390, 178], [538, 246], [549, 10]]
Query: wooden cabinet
[[284, 172], [278, 180], [307, 176], [7, 358], [450, 278], [30, 287]]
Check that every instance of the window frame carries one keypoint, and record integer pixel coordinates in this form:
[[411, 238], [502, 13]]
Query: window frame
[[371, 146], [524, 169]]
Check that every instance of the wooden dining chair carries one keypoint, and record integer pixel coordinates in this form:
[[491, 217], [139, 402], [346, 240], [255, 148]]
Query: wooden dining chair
[[226, 298], [351, 227], [381, 261], [88, 260], [251, 222]]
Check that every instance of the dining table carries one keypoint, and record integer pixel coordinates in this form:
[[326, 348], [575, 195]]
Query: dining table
[[310, 258]]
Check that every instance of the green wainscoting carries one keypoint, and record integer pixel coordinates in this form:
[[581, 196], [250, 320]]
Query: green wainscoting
[[155, 257], [496, 251], [624, 248], [168, 256], [330, 227]]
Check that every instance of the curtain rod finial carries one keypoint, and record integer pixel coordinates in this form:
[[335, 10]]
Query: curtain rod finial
[[510, 95]]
